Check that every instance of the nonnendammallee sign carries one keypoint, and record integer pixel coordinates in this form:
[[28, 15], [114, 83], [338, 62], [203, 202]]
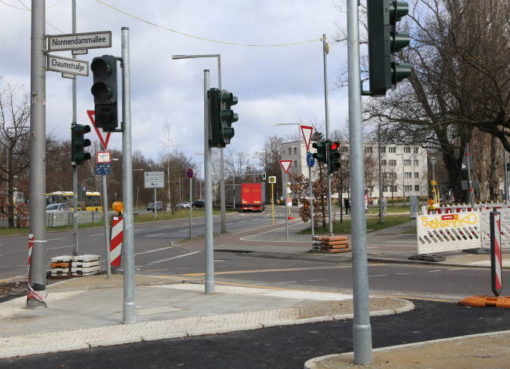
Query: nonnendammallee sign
[[74, 41]]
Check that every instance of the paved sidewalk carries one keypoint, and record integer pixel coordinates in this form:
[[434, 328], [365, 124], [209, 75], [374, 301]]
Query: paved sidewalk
[[488, 350], [87, 312]]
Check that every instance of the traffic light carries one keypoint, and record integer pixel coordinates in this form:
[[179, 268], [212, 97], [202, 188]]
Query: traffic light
[[320, 155], [333, 156], [104, 90], [383, 42], [221, 117], [78, 144]]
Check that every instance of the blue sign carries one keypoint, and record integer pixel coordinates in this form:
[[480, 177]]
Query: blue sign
[[103, 169], [309, 159]]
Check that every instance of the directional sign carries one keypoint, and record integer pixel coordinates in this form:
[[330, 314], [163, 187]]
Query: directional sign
[[80, 41], [103, 169], [104, 142], [285, 164], [154, 179], [68, 65], [307, 135], [309, 159]]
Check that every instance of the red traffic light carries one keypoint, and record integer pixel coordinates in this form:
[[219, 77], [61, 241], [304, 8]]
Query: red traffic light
[[334, 145]]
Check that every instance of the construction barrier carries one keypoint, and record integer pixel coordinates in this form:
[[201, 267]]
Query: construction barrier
[[65, 266], [496, 259], [331, 244], [117, 236]]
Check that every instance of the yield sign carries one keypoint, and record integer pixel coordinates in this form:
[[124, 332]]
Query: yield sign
[[285, 164], [104, 143], [307, 135]]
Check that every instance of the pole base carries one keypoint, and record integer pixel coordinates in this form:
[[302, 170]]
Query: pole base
[[486, 301]]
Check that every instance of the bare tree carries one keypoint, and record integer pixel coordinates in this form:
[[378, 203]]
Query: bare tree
[[14, 143]]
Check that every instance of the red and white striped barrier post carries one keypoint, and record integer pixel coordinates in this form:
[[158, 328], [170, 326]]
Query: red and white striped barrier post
[[496, 260], [32, 293], [117, 235]]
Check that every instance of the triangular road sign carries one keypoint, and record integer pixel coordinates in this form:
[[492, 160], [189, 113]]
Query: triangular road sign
[[307, 135], [285, 164], [104, 143]]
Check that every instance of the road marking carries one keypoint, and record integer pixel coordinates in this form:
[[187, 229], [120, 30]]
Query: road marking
[[173, 257], [139, 229], [378, 275], [252, 271], [403, 273], [60, 247], [316, 280], [155, 235], [434, 271], [96, 234], [57, 239], [155, 250]]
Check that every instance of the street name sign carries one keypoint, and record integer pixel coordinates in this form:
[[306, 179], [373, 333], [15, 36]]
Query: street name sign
[[80, 41], [154, 179], [68, 65]]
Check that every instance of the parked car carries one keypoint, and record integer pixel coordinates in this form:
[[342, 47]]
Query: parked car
[[198, 204], [159, 206], [182, 205], [57, 207]]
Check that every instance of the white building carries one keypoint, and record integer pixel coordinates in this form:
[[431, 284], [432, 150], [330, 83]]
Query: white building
[[403, 167]]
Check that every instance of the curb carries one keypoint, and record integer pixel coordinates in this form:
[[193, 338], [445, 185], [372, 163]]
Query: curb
[[83, 339], [344, 259], [311, 363]]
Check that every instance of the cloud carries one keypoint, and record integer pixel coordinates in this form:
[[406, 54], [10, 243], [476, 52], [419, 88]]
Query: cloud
[[273, 84]]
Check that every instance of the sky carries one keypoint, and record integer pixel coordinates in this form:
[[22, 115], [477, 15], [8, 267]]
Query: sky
[[280, 84]]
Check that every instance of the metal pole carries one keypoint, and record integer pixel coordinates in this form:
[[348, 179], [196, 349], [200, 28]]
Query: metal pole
[[506, 175], [311, 199], [36, 294], [470, 182], [285, 194], [128, 247], [272, 203], [155, 207], [75, 167], [222, 169], [209, 241], [380, 173], [362, 331], [190, 207], [326, 112], [106, 225]]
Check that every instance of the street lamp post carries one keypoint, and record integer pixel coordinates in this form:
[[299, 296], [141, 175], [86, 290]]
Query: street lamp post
[[222, 164]]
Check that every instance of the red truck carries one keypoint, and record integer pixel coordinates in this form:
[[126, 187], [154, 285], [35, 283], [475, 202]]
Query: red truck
[[253, 196]]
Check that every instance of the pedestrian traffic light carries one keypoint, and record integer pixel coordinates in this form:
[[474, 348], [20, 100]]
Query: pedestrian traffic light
[[320, 155], [78, 144], [104, 89], [333, 156], [221, 117], [383, 42]]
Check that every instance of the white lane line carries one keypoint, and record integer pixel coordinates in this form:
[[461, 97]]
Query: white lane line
[[155, 235], [96, 234], [139, 229], [60, 247], [57, 239], [155, 250], [434, 271], [378, 275], [403, 273], [316, 280], [173, 257]]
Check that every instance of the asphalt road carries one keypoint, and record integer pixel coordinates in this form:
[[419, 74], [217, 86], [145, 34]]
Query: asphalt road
[[153, 240], [284, 347]]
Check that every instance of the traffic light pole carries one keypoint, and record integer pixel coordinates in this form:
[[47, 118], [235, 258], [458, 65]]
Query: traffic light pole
[[209, 241], [326, 112], [36, 293], [75, 167], [128, 257], [362, 331]]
